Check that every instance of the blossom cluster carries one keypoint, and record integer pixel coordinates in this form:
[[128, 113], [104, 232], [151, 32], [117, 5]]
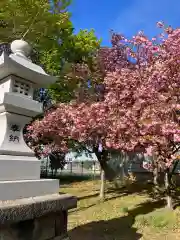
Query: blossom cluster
[[139, 108]]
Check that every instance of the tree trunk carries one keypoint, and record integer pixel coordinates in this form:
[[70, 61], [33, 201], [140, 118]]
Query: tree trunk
[[155, 176], [102, 188], [155, 179], [155, 172], [173, 170], [103, 159], [47, 168], [168, 190]]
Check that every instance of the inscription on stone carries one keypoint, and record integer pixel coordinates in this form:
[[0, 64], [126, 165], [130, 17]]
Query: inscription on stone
[[15, 129], [13, 138]]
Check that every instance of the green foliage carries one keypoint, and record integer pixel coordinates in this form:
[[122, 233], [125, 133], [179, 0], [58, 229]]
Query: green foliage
[[41, 24], [124, 209], [33, 21], [82, 46], [161, 218], [79, 49], [47, 27], [87, 164]]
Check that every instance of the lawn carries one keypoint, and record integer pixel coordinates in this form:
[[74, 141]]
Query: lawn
[[127, 214]]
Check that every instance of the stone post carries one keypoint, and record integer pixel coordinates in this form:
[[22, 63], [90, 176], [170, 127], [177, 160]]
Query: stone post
[[30, 207]]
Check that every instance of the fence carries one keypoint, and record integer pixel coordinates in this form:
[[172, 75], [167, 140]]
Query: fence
[[83, 168], [120, 163]]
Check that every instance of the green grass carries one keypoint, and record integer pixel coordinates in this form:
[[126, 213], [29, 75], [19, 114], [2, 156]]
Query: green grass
[[127, 214]]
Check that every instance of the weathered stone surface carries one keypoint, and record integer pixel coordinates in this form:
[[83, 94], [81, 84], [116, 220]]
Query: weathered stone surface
[[40, 218], [8, 234], [31, 208], [61, 223], [19, 231], [15, 213], [52, 226], [24, 229], [44, 227], [61, 238]]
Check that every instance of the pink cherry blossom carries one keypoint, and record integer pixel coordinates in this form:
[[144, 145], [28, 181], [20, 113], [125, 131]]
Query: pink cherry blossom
[[138, 111], [160, 24]]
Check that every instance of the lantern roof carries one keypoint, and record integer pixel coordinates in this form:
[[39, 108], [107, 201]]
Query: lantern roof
[[19, 64]]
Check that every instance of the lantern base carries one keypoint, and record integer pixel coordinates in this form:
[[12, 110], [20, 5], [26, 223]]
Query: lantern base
[[12, 190], [15, 168]]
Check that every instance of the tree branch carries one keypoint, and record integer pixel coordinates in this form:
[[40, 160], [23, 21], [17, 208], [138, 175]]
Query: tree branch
[[33, 21]]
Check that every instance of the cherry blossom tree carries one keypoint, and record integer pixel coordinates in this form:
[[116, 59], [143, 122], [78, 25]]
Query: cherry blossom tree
[[148, 98], [138, 107]]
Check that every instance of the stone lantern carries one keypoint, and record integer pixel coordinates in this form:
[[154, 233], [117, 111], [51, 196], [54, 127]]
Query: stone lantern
[[19, 168], [30, 207]]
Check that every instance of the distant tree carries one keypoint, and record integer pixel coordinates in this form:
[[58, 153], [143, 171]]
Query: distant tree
[[57, 161]]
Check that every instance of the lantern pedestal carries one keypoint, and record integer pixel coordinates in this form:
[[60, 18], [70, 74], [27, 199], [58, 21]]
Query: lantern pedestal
[[13, 190]]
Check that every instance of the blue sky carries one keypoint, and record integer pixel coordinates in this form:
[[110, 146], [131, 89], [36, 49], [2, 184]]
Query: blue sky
[[124, 16]]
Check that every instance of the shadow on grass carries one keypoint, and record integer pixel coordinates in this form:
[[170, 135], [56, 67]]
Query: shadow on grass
[[83, 208], [95, 204], [118, 228], [133, 188], [71, 178], [88, 196], [124, 191]]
